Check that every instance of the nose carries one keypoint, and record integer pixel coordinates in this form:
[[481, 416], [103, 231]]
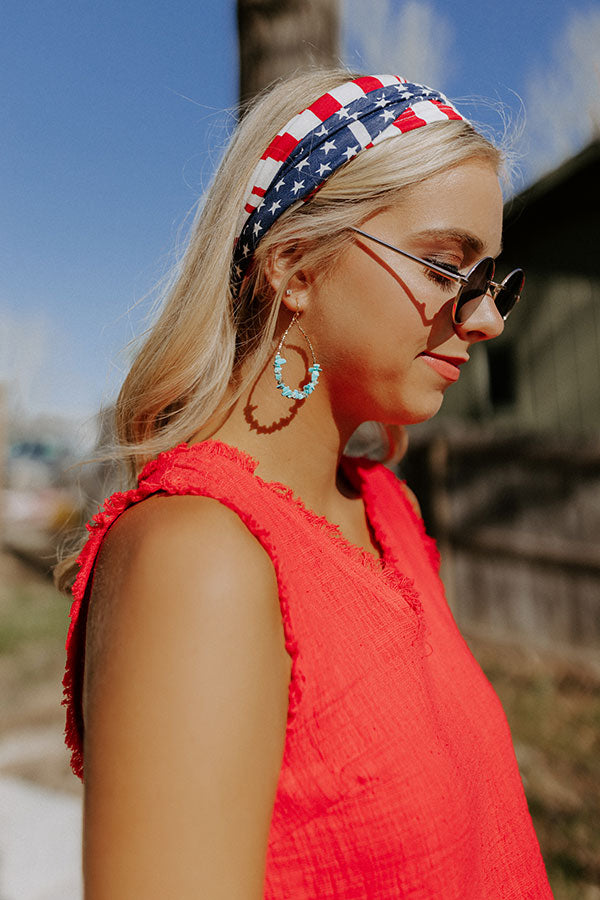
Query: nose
[[482, 323]]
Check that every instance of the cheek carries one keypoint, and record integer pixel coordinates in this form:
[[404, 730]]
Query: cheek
[[440, 328], [370, 311], [369, 338], [369, 334], [369, 326]]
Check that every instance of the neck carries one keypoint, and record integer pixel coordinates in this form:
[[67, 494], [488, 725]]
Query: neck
[[299, 444]]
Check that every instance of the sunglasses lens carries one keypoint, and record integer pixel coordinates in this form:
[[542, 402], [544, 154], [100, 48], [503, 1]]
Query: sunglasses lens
[[510, 291], [474, 290]]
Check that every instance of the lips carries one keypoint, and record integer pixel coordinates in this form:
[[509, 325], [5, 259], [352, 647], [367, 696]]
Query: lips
[[446, 366]]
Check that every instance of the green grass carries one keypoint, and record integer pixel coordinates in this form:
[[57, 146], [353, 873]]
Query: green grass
[[31, 613]]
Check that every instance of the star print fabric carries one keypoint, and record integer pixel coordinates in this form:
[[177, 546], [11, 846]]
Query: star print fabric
[[352, 117]]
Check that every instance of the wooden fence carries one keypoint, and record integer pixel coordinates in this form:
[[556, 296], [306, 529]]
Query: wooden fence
[[517, 519]]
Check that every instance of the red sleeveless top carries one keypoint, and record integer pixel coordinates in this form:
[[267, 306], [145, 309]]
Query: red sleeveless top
[[398, 778]]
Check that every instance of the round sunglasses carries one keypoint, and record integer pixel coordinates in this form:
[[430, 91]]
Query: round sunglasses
[[473, 286]]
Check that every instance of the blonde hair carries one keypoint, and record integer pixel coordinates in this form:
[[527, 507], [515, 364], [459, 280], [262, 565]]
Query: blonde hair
[[192, 357]]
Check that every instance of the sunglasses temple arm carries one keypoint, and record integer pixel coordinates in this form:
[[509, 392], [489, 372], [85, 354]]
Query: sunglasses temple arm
[[451, 276]]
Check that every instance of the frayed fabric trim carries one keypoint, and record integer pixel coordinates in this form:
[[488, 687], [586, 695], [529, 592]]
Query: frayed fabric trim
[[174, 472], [367, 473], [97, 528], [428, 542], [160, 475]]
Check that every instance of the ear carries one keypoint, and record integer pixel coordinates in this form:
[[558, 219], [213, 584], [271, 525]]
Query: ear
[[283, 270]]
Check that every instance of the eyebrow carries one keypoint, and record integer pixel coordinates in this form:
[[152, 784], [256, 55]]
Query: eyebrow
[[465, 238]]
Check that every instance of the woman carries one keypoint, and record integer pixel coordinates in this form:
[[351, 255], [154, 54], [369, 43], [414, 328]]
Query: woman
[[275, 700]]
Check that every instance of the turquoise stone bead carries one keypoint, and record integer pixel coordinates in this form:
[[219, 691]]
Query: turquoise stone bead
[[293, 393]]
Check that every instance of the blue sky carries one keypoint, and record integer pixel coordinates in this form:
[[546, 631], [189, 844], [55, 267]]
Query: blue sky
[[115, 114]]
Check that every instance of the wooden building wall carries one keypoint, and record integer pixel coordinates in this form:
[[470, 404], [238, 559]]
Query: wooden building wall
[[543, 374], [509, 472]]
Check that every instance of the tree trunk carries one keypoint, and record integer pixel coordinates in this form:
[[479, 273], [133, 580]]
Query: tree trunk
[[278, 37]]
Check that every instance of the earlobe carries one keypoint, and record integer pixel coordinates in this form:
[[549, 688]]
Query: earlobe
[[282, 272], [294, 299]]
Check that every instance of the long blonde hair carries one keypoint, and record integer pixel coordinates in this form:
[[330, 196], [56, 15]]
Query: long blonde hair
[[185, 369]]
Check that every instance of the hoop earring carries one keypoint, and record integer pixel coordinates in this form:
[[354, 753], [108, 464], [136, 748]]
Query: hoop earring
[[279, 361]]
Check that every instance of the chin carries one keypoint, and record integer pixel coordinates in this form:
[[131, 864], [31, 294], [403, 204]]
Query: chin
[[412, 413], [403, 407]]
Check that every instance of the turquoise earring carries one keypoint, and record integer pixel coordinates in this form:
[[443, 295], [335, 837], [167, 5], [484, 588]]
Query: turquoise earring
[[279, 362]]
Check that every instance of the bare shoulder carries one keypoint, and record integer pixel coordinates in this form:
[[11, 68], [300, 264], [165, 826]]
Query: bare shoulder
[[188, 547], [412, 498], [186, 691], [181, 529]]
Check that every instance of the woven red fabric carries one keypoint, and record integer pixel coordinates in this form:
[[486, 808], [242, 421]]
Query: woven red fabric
[[398, 778]]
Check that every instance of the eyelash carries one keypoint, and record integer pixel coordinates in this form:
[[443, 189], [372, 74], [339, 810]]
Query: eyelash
[[444, 283]]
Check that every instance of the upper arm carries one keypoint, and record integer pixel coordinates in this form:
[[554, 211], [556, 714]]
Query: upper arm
[[185, 702]]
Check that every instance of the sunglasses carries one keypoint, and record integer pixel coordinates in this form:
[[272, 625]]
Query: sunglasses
[[473, 286]]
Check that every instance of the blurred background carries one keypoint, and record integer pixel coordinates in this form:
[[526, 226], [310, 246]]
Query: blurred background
[[115, 116]]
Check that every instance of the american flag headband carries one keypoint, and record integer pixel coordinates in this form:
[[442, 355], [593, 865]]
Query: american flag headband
[[349, 118]]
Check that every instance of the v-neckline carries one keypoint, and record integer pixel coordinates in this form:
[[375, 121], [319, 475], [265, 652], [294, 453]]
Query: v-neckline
[[385, 568], [382, 565]]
